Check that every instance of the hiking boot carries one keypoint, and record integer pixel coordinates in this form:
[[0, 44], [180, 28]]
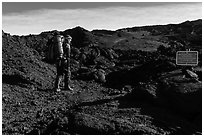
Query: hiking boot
[[57, 89], [69, 88]]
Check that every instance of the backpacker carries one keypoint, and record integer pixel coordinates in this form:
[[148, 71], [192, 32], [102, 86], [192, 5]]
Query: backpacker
[[52, 50]]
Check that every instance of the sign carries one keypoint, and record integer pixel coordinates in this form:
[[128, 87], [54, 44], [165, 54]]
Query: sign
[[187, 58]]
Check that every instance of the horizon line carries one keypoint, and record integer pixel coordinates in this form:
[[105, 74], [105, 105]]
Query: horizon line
[[101, 28]]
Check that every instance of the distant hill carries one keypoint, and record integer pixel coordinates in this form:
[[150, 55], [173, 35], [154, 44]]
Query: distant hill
[[146, 38], [188, 33]]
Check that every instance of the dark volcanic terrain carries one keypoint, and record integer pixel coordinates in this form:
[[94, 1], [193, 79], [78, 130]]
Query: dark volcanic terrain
[[125, 82]]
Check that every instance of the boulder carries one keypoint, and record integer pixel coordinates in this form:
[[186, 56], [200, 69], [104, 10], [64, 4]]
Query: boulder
[[85, 73], [198, 121], [181, 95], [104, 62], [87, 124], [99, 75], [75, 53]]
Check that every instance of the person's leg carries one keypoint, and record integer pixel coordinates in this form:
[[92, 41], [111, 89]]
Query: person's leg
[[57, 82], [67, 80], [59, 76]]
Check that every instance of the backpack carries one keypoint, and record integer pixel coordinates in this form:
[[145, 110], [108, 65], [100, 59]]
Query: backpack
[[51, 54]]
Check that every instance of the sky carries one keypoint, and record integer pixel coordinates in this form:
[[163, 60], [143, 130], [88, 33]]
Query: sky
[[24, 18]]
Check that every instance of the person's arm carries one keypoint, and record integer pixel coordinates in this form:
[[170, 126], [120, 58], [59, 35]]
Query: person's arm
[[68, 54]]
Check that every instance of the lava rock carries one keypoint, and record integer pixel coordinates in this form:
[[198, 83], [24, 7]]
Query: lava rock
[[99, 75]]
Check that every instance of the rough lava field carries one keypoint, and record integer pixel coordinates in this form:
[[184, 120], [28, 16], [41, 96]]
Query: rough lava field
[[125, 82]]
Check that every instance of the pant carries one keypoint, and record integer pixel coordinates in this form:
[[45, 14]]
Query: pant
[[63, 70]]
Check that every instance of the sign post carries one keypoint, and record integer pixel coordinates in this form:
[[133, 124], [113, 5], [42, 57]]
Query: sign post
[[187, 58]]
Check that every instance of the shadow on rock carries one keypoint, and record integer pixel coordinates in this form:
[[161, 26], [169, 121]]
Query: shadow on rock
[[15, 80], [175, 107]]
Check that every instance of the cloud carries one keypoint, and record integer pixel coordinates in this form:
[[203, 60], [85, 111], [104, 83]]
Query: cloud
[[36, 21]]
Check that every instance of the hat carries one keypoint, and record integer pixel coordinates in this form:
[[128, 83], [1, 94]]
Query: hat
[[68, 37]]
